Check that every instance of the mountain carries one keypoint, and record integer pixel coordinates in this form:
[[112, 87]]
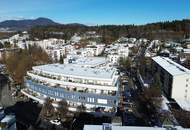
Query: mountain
[[26, 24]]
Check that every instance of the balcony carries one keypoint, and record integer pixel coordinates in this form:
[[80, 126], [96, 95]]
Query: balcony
[[71, 88], [67, 79], [65, 83]]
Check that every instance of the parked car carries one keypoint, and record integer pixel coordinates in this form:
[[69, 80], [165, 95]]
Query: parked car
[[56, 122]]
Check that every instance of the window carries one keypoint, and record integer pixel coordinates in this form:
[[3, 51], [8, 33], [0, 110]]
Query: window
[[187, 80], [186, 85], [91, 100], [102, 101], [81, 97]]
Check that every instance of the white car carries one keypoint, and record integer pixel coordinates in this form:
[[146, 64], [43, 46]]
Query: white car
[[56, 122]]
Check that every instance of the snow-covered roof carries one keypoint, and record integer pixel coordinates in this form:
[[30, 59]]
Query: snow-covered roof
[[184, 104], [2, 66], [100, 127], [186, 40], [186, 50], [165, 51], [87, 61], [77, 71], [164, 104], [8, 118], [170, 66], [90, 61]]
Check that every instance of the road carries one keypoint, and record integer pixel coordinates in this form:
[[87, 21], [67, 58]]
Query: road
[[130, 114]]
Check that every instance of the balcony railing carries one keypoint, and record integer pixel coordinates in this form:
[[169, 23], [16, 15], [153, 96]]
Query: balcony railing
[[70, 89], [70, 80]]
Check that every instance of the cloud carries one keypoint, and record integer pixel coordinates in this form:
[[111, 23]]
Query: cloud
[[2, 18], [17, 17], [90, 24]]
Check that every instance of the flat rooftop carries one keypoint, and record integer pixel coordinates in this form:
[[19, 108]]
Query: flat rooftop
[[172, 67], [89, 61], [72, 70], [8, 119], [99, 127], [184, 104]]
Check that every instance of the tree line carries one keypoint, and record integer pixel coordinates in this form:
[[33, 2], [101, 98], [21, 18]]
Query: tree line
[[169, 30]]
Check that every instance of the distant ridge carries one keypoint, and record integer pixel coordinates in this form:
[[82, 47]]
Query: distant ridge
[[26, 23]]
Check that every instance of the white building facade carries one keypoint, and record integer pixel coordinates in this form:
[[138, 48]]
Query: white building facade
[[117, 51], [77, 83], [175, 80]]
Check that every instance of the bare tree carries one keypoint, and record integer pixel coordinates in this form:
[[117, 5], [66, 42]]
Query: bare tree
[[81, 108], [183, 117], [47, 109], [62, 108], [18, 63], [125, 62], [150, 102]]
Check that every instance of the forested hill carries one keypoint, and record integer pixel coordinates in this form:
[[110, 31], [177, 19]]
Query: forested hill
[[169, 30], [16, 25]]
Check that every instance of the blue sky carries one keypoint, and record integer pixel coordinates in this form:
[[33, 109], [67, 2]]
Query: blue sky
[[96, 11]]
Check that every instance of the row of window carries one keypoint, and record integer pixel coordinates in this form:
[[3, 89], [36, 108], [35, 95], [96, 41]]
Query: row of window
[[66, 96]]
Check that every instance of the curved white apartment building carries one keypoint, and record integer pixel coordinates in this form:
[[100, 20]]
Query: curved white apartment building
[[78, 84]]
